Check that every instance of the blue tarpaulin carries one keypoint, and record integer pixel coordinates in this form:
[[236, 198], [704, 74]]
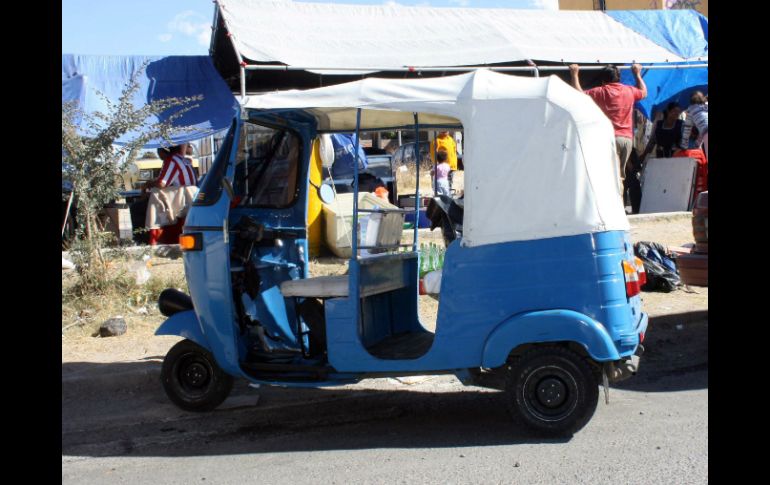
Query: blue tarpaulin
[[84, 77], [683, 32], [666, 85], [344, 156]]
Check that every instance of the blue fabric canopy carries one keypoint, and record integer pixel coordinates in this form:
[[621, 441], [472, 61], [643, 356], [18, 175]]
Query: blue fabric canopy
[[666, 85], [344, 155], [83, 77], [683, 32]]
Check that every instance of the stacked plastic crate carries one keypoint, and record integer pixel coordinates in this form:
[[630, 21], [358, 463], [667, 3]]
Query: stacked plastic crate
[[694, 267]]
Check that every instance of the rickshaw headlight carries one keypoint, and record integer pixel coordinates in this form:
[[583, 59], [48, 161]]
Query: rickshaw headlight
[[191, 241]]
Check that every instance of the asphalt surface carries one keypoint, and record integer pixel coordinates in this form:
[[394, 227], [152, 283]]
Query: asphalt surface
[[123, 429]]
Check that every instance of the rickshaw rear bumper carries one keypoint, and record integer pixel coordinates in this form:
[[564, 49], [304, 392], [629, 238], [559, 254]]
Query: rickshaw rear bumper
[[623, 369], [628, 366]]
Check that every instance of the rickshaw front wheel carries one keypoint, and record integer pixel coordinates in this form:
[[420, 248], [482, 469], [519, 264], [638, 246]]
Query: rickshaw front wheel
[[192, 379], [552, 390]]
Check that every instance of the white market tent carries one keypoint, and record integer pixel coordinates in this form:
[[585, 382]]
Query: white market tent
[[328, 38], [543, 145]]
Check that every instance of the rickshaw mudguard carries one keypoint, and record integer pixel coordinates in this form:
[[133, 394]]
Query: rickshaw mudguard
[[548, 326], [184, 324]]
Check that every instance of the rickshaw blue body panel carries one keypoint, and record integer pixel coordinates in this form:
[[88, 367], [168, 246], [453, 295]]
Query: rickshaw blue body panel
[[496, 297], [548, 326], [184, 324]]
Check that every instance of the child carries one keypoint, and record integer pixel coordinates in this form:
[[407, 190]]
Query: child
[[442, 173]]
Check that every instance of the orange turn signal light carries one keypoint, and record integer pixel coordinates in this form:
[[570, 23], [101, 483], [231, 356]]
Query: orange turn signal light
[[191, 242]]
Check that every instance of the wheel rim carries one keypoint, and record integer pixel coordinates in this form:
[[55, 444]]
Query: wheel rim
[[550, 393], [194, 372]]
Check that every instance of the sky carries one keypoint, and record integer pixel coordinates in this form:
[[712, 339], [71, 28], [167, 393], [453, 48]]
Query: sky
[[183, 27]]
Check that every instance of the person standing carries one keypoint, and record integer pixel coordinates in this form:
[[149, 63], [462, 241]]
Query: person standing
[[667, 134], [442, 174], [446, 143], [616, 100], [178, 170], [697, 116]]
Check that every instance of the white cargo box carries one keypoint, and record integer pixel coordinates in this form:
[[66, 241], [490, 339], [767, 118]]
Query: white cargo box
[[338, 220], [118, 221]]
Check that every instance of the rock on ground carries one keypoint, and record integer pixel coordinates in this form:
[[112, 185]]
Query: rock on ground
[[113, 327]]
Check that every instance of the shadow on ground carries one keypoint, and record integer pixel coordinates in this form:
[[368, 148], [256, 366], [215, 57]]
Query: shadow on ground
[[118, 409], [675, 345], [288, 420]]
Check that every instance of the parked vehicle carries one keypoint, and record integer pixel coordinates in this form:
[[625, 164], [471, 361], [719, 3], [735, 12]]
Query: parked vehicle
[[380, 170], [539, 295], [404, 155]]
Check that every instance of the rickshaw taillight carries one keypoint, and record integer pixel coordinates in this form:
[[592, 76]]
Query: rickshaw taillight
[[191, 242], [640, 271], [632, 279]]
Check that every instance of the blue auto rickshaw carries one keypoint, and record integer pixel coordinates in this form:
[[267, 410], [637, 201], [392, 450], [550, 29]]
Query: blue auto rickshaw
[[539, 293]]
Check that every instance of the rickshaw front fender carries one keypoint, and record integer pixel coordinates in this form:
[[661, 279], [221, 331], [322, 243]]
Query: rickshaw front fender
[[548, 326], [184, 324]]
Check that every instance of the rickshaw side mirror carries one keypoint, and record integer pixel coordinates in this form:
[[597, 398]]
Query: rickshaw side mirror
[[228, 188], [326, 193]]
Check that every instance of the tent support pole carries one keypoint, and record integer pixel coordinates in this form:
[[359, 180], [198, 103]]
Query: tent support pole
[[238, 55], [373, 69], [243, 84], [417, 200], [535, 70]]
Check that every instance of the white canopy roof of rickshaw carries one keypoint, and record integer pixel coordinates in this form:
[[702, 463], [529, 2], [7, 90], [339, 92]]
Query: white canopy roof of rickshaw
[[539, 156]]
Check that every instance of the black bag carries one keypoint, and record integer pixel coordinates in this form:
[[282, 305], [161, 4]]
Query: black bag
[[659, 266]]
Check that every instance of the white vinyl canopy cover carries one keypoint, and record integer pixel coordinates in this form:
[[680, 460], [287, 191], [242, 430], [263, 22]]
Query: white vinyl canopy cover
[[317, 36], [539, 155]]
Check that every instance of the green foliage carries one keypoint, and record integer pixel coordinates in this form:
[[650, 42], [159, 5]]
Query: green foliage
[[149, 155], [94, 164]]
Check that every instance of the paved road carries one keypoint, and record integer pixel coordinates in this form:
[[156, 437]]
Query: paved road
[[655, 430]]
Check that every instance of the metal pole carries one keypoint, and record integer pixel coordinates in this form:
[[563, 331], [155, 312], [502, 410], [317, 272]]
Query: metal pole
[[238, 56], [462, 69], [355, 185], [243, 84], [536, 72], [66, 214], [435, 164], [417, 200]]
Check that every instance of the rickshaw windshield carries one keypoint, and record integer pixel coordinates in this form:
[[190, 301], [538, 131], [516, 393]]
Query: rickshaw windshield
[[267, 166], [211, 188]]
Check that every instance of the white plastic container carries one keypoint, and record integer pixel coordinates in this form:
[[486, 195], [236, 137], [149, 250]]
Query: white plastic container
[[375, 229]]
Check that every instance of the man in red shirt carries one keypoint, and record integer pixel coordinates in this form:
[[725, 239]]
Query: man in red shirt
[[616, 100]]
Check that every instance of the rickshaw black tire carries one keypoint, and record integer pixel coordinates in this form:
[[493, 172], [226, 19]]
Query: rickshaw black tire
[[216, 384], [572, 370]]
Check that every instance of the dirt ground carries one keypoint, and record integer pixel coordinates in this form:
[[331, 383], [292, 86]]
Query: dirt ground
[[80, 321]]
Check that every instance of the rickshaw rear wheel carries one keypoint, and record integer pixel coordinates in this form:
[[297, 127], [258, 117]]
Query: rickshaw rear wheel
[[551, 390], [192, 379]]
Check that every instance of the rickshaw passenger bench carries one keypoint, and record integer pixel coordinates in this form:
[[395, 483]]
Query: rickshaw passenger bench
[[383, 282], [373, 282]]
